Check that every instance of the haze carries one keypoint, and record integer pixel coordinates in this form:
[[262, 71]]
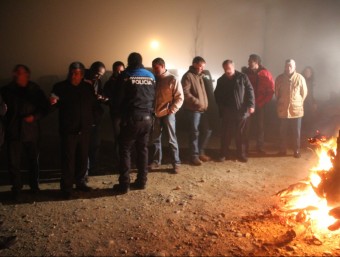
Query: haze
[[48, 35]]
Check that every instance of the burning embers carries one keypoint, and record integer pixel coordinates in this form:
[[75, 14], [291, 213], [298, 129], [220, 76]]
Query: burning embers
[[314, 203]]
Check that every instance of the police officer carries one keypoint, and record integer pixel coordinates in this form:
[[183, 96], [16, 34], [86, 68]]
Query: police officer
[[137, 89], [76, 102]]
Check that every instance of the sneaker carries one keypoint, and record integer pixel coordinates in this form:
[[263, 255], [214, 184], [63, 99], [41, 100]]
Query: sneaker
[[137, 185], [204, 158], [121, 189], [242, 159], [154, 166], [297, 154], [176, 168], [83, 187], [196, 161]]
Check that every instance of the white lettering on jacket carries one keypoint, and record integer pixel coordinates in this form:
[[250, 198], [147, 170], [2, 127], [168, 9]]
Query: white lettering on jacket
[[141, 81]]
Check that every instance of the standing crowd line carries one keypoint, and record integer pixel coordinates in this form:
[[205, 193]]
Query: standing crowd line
[[144, 104]]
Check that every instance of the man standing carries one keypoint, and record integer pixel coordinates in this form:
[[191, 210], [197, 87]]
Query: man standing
[[3, 110], [169, 98], [136, 107], [93, 77], [112, 92], [76, 102], [196, 104], [26, 105], [235, 99], [290, 92], [263, 85]]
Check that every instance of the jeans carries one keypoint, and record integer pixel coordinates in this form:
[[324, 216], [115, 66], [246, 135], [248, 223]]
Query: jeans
[[116, 131], [199, 132], [93, 148], [295, 125], [135, 131], [167, 123]]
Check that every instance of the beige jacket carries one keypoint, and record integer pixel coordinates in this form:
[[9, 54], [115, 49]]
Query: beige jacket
[[195, 96], [290, 93], [169, 94]]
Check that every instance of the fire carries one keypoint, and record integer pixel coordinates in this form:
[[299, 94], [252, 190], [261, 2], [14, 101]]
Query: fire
[[306, 201]]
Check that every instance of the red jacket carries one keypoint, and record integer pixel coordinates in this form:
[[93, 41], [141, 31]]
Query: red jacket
[[263, 85]]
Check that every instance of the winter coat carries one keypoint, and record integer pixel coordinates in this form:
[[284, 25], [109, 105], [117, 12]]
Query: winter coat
[[77, 107], [290, 93], [243, 93], [169, 94], [195, 96], [2, 114], [22, 102], [263, 84]]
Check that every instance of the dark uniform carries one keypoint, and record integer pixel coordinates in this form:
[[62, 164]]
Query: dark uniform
[[137, 99], [76, 111], [20, 135]]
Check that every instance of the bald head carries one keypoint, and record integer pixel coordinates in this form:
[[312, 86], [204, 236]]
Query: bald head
[[290, 67]]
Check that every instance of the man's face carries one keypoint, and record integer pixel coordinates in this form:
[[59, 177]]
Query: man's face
[[158, 69], [290, 67], [252, 64], [229, 70], [76, 76], [119, 69], [100, 73], [199, 67], [21, 76]]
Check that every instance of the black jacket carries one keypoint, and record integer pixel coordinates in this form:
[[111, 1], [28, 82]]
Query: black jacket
[[113, 93], [22, 102], [137, 87], [77, 107], [243, 93]]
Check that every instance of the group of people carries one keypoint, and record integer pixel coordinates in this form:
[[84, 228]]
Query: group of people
[[144, 104]]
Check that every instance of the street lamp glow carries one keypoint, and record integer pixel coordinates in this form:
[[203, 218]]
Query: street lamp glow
[[154, 44]]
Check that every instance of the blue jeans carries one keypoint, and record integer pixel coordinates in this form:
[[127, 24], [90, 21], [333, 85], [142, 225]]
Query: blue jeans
[[167, 123], [295, 125], [200, 132]]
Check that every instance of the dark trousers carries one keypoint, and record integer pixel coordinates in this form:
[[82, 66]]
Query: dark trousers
[[15, 149], [74, 156], [295, 125], [233, 123], [116, 131], [93, 148], [134, 132], [256, 122]]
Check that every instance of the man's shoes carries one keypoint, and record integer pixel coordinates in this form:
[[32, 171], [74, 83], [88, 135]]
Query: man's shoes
[[83, 187], [154, 166], [297, 154], [137, 186], [260, 151], [34, 190], [204, 158], [196, 161], [221, 159], [242, 159], [16, 195], [281, 153], [7, 242], [66, 195], [176, 168], [121, 189]]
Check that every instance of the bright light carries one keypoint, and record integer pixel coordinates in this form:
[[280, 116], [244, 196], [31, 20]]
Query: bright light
[[154, 44]]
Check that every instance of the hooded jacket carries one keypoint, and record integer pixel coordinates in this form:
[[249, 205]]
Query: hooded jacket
[[195, 96], [290, 92], [169, 94], [263, 84]]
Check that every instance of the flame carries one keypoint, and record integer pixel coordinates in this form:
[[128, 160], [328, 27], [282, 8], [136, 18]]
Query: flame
[[306, 198]]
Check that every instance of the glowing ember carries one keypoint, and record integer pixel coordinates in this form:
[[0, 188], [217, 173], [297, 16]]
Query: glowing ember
[[307, 201]]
